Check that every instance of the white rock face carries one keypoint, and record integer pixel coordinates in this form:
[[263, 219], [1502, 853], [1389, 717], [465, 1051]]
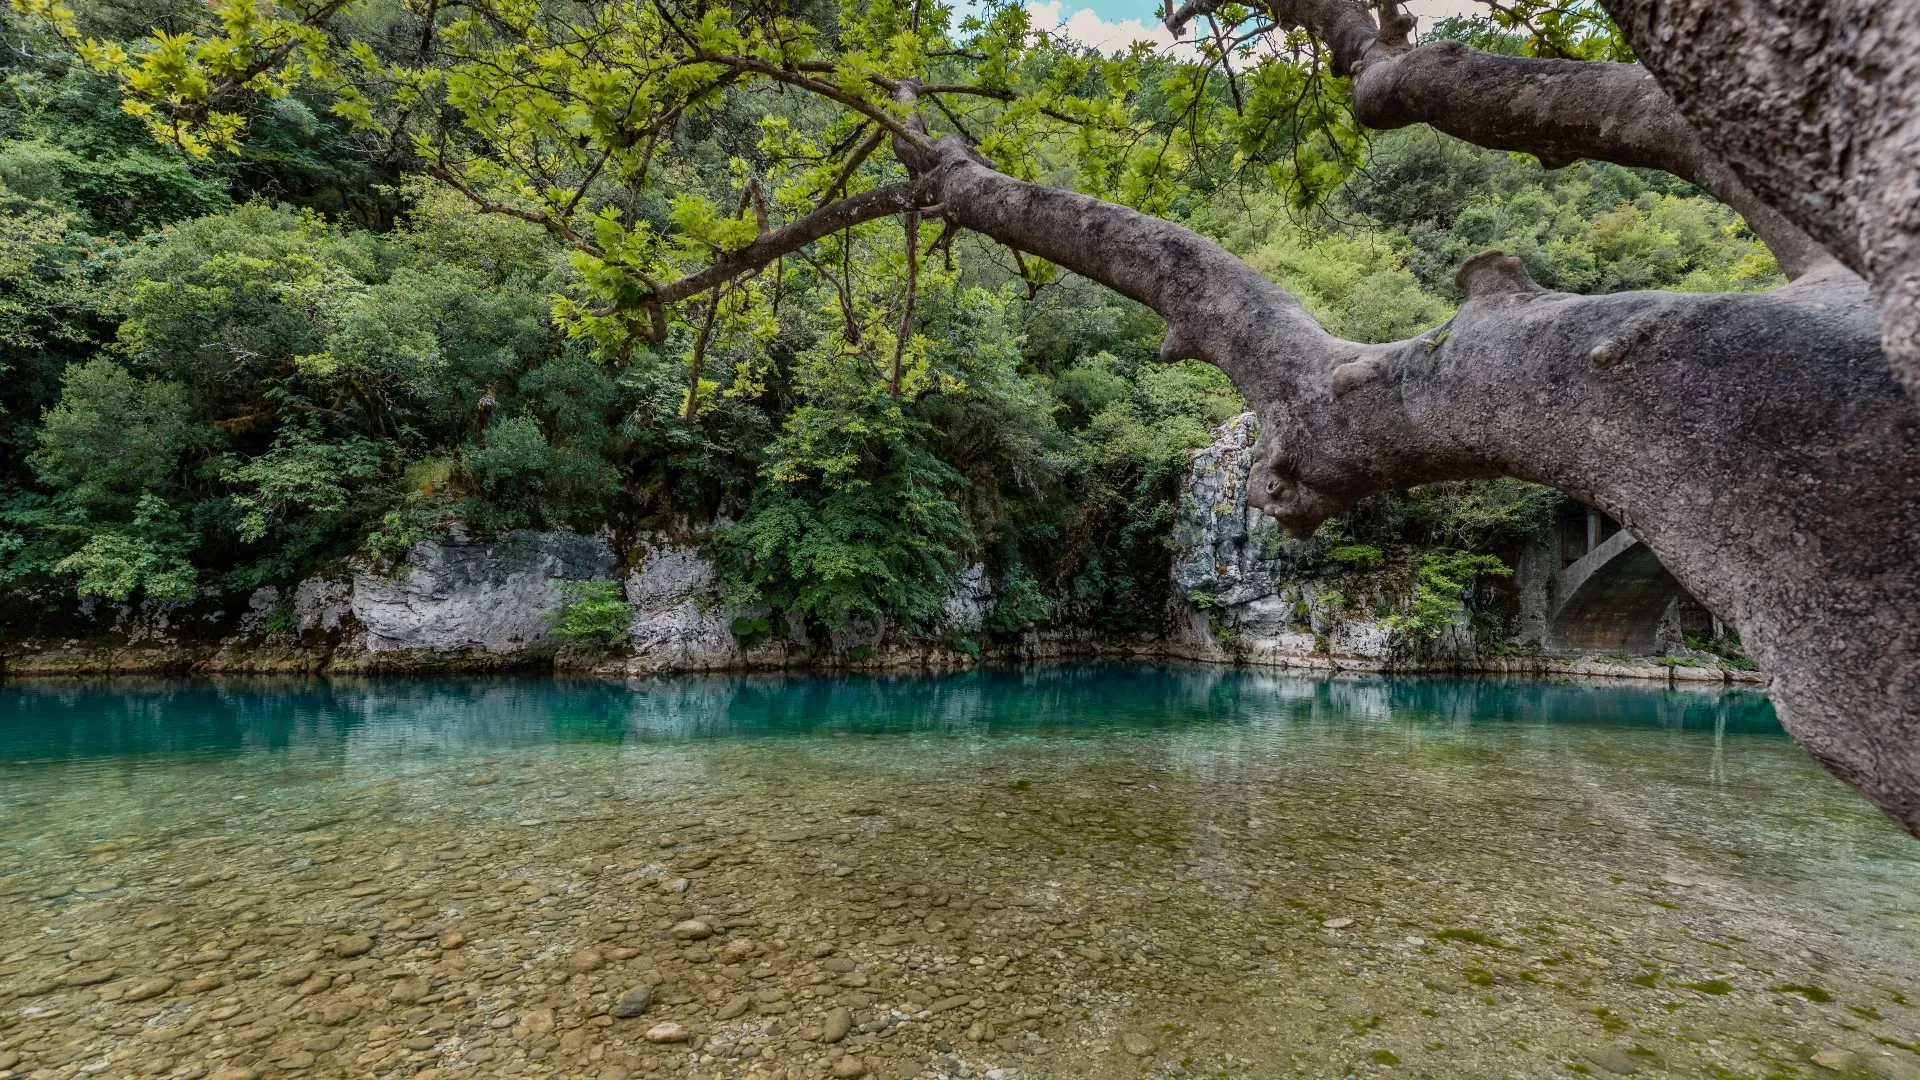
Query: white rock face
[[1247, 594], [455, 604], [260, 607], [464, 597], [680, 620], [1224, 550], [321, 605], [969, 601]]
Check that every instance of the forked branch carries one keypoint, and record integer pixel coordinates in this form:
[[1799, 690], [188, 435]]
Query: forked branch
[[1557, 110]]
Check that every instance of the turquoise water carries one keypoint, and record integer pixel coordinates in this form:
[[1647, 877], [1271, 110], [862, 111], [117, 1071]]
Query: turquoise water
[[1100, 871], [47, 721]]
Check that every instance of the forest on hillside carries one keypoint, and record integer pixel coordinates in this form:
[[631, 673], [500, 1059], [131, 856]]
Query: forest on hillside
[[221, 369]]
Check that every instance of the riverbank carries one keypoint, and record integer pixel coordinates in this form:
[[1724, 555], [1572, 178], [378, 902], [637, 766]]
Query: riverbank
[[1238, 594], [78, 659]]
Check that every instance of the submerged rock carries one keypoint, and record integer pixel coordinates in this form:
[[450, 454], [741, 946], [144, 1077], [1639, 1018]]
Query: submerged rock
[[634, 1002]]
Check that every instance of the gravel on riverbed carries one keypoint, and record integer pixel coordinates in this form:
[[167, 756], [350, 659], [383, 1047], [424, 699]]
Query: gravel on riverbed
[[742, 910]]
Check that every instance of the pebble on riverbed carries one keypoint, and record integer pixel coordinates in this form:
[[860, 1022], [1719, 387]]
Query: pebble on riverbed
[[634, 1002]]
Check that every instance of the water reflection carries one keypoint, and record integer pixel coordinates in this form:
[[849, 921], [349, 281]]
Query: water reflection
[[54, 720]]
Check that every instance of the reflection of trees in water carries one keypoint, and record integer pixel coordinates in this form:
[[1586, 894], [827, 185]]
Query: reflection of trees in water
[[103, 717], [1449, 702], [346, 718]]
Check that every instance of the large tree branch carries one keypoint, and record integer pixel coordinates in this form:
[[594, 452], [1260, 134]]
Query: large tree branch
[[1756, 442], [1560, 111], [1816, 106], [1557, 110], [1232, 320]]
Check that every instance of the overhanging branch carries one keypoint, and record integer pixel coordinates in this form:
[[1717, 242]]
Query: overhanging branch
[[832, 218], [1557, 110]]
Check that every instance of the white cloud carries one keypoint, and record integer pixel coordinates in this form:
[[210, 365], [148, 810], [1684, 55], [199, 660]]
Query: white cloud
[[1090, 29], [1432, 11], [1109, 37]]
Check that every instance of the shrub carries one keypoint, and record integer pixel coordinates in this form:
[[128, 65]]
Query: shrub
[[595, 612], [1357, 556], [1442, 580]]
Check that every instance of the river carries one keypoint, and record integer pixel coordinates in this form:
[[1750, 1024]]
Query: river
[[1100, 871]]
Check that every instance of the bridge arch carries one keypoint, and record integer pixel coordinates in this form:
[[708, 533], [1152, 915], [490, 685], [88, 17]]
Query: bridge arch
[[1613, 598]]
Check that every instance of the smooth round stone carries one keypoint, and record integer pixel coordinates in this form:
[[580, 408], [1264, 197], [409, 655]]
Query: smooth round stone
[[1613, 1060], [670, 1032], [838, 1022], [849, 1067], [409, 990], [353, 945], [147, 988]]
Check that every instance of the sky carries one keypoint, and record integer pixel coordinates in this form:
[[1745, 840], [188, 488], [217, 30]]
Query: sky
[[1114, 24]]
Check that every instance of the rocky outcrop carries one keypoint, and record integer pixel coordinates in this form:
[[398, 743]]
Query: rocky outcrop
[[467, 604], [452, 605], [682, 620], [1247, 594]]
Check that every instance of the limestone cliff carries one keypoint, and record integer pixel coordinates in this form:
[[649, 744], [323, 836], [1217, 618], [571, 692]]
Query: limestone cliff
[[1252, 596], [1247, 594]]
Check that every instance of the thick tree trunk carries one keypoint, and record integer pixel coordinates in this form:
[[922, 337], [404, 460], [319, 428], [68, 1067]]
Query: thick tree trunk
[[1758, 443], [1815, 105]]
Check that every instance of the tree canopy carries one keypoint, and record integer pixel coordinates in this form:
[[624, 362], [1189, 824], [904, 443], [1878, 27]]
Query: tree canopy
[[306, 386]]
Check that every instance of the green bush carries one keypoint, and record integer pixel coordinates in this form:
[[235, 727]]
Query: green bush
[[1441, 581], [199, 387], [1357, 557], [751, 631], [596, 612]]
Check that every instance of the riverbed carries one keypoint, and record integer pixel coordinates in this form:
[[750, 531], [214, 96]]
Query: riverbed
[[1081, 871]]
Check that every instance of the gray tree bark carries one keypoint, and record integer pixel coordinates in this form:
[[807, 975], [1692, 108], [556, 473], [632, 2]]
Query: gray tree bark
[[1815, 105]]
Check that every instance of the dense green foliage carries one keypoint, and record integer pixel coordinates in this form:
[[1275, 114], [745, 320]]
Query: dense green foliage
[[225, 370], [1442, 579], [595, 612]]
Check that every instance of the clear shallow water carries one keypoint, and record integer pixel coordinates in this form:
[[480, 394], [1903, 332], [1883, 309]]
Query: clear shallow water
[[1101, 871]]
